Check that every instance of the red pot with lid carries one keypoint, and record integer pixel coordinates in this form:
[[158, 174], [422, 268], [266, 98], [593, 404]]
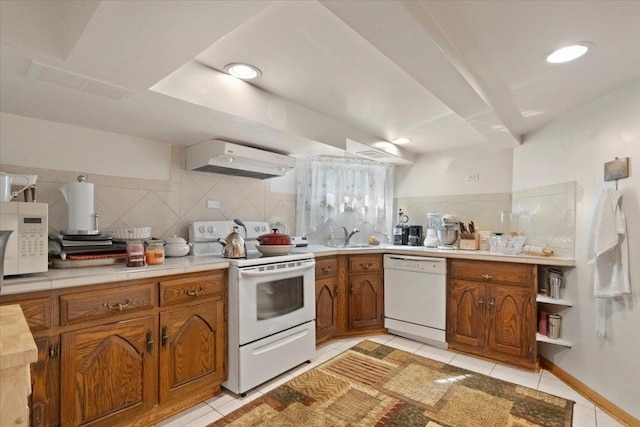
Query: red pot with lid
[[275, 238]]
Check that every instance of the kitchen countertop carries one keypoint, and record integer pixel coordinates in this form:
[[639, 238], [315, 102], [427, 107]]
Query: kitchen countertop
[[64, 278]]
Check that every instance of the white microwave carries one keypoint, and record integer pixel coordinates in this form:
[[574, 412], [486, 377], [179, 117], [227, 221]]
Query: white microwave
[[28, 247]]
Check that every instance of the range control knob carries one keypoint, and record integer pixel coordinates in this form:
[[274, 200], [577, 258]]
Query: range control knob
[[210, 229], [201, 229]]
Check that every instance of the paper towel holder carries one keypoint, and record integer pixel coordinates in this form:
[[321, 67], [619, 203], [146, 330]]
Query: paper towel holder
[[94, 216]]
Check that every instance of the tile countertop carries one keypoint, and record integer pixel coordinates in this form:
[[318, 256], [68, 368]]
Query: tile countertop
[[63, 278]]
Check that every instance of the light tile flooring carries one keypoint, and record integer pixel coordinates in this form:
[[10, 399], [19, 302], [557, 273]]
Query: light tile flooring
[[585, 413]]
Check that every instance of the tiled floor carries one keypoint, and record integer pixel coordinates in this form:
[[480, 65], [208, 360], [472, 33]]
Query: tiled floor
[[585, 414]]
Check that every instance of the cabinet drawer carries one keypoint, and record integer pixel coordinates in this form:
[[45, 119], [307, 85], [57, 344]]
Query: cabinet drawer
[[326, 267], [365, 263], [177, 291], [492, 272], [38, 312], [79, 307]]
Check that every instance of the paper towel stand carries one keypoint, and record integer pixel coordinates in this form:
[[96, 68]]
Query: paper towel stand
[[65, 189]]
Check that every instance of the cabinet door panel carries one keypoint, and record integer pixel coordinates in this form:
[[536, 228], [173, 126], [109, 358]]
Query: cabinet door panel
[[466, 313], [366, 301], [508, 312], [108, 372], [44, 401], [192, 349], [326, 308]]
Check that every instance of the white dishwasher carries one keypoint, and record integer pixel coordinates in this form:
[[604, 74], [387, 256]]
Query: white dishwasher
[[415, 298]]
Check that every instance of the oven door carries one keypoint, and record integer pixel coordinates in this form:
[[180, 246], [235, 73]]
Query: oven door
[[274, 297]]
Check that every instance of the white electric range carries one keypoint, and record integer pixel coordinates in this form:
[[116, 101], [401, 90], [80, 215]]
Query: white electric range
[[271, 315]]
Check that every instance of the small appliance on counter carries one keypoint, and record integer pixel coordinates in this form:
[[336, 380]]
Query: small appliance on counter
[[448, 232], [300, 241], [26, 248], [414, 235], [433, 223], [400, 234]]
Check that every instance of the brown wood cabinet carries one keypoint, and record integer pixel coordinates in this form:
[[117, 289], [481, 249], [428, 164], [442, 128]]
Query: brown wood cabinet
[[326, 298], [349, 296], [491, 310], [126, 353]]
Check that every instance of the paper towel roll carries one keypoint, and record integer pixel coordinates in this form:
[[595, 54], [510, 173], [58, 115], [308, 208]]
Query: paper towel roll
[[80, 200]]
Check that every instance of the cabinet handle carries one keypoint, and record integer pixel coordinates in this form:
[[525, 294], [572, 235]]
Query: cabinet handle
[[481, 302], [119, 306], [335, 291], [487, 276], [366, 266], [492, 305], [165, 336], [149, 342], [54, 351], [326, 269], [351, 290], [194, 292]]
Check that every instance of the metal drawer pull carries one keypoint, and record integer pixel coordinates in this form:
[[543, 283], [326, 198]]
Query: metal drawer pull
[[487, 276], [326, 269], [366, 266], [194, 293], [119, 306], [165, 336]]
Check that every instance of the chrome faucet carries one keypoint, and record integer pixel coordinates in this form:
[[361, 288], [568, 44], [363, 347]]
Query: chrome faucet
[[348, 236]]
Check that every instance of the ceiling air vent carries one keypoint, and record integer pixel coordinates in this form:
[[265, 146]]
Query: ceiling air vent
[[375, 154], [45, 73]]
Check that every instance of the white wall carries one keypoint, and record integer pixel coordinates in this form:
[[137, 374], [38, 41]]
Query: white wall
[[38, 143], [444, 173], [574, 148]]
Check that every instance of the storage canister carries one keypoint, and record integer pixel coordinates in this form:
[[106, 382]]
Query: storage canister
[[554, 326], [154, 252], [135, 253], [543, 319]]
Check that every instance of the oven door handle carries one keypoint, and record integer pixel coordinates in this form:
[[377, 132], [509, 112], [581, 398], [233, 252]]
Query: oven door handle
[[254, 273]]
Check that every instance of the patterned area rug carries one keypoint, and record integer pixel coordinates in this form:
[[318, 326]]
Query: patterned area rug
[[375, 385]]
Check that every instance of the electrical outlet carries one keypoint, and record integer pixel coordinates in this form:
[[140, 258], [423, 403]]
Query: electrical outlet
[[213, 204], [473, 177]]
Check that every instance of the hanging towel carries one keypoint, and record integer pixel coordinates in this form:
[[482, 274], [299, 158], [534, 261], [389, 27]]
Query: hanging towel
[[608, 252]]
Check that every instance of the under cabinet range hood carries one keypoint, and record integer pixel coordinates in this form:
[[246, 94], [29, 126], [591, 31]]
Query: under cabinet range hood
[[233, 159]]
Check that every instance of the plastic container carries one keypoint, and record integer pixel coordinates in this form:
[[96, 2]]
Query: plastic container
[[154, 252]]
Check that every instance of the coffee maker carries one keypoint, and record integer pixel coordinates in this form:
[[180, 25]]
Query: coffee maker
[[414, 237], [433, 223]]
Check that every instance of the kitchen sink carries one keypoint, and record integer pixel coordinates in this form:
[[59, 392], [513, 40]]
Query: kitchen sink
[[358, 246]]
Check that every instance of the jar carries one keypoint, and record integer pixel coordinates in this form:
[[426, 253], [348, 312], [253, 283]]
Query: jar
[[154, 252], [135, 253]]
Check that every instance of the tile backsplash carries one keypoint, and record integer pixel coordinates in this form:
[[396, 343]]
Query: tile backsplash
[[545, 215], [166, 206]]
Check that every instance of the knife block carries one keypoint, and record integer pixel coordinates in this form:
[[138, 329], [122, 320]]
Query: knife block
[[469, 241]]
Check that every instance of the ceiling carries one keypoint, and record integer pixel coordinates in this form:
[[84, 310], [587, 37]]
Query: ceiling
[[447, 74]]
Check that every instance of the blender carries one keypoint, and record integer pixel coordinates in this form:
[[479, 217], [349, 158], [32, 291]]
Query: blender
[[433, 223]]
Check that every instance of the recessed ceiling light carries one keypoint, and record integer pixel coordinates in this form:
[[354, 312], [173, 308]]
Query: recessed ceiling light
[[243, 71], [568, 53], [400, 141]]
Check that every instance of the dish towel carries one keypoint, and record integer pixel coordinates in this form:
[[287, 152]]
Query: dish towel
[[608, 252]]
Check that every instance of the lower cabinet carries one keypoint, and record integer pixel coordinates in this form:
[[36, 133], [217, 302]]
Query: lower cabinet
[[44, 400], [349, 296], [126, 353], [491, 310], [191, 350], [109, 372]]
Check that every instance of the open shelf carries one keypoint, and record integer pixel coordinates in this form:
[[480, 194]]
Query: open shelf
[[548, 300], [559, 341]]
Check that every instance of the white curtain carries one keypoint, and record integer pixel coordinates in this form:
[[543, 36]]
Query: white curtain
[[328, 186]]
